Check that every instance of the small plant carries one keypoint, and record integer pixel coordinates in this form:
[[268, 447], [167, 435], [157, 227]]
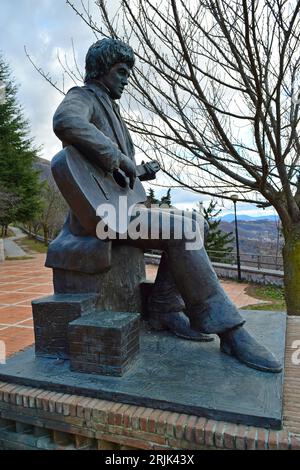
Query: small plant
[[267, 292], [272, 295]]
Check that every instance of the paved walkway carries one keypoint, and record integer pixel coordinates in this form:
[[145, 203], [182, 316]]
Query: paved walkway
[[21, 281], [18, 233], [11, 249]]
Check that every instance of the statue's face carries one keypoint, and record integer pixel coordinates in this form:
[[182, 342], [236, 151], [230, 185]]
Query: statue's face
[[116, 79]]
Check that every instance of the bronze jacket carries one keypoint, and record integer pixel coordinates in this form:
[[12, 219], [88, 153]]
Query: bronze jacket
[[89, 120]]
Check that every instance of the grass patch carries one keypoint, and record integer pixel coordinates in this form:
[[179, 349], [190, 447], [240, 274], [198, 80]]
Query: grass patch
[[273, 295], [31, 245], [265, 292], [278, 307]]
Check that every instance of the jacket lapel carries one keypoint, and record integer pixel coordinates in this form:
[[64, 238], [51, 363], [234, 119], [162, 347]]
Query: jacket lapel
[[111, 115]]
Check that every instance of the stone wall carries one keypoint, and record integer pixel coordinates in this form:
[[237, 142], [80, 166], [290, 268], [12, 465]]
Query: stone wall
[[229, 271], [250, 274]]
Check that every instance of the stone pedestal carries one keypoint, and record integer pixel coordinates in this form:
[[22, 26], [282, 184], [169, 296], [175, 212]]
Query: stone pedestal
[[104, 343], [176, 375], [117, 289], [78, 294]]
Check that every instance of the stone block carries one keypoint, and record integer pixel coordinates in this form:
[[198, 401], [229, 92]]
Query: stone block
[[104, 343], [118, 288], [51, 316]]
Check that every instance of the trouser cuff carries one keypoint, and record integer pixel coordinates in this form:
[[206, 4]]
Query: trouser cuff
[[215, 317]]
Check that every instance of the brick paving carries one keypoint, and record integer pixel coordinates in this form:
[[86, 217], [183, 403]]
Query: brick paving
[[21, 281]]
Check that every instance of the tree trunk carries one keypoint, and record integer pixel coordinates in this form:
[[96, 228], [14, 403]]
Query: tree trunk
[[46, 234], [291, 263]]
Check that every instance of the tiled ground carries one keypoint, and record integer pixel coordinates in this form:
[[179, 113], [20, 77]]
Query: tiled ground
[[235, 290], [20, 283], [24, 280]]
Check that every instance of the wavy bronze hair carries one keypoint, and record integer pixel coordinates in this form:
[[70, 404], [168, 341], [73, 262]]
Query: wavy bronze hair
[[105, 53]]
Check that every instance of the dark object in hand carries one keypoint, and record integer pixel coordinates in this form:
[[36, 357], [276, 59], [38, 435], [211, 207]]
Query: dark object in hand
[[148, 170]]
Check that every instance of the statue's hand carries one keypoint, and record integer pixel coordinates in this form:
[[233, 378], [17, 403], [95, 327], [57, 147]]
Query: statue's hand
[[129, 169]]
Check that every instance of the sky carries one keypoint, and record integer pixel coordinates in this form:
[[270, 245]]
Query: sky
[[46, 28]]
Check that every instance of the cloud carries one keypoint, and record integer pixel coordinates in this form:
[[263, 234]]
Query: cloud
[[44, 27]]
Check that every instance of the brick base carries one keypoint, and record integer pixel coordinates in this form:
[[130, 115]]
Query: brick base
[[51, 317], [39, 419], [104, 342]]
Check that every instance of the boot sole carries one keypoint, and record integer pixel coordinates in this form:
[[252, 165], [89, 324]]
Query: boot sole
[[200, 339], [157, 326]]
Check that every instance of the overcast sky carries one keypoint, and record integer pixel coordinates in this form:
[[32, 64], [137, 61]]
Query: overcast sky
[[47, 27]]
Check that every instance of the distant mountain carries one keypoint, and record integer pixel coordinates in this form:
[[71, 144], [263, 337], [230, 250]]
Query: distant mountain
[[45, 174], [256, 235], [44, 168], [230, 217]]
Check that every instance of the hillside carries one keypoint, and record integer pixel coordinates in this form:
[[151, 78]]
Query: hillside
[[257, 236], [230, 217], [44, 168]]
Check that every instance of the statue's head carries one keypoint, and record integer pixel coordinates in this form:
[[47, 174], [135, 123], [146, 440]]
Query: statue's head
[[110, 61]]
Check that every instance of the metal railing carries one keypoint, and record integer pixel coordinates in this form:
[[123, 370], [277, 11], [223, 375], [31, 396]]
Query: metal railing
[[256, 260]]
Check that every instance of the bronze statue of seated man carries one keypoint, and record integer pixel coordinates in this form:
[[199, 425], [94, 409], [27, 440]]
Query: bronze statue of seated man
[[187, 298]]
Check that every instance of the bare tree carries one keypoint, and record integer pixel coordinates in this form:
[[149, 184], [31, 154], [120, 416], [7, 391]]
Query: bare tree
[[53, 213], [8, 202], [215, 98]]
